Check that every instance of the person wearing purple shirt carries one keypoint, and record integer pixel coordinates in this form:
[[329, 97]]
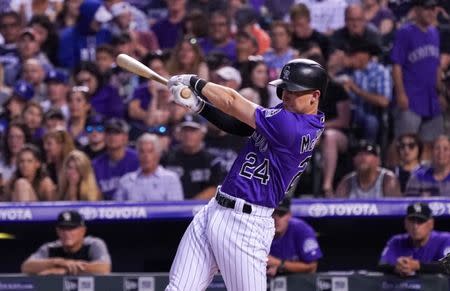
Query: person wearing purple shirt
[[233, 232], [170, 29], [118, 159], [416, 67], [294, 248], [419, 249]]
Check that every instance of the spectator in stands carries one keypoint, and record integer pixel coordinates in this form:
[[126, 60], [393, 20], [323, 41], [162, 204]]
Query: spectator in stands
[[33, 116], [78, 43], [103, 98], [144, 40], [57, 146], [28, 8], [79, 111], [34, 73], [369, 180], [369, 86], [76, 181], [415, 58], [326, 16], [169, 30], [118, 160], [419, 249], [30, 181], [246, 46], [199, 173], [54, 118], [68, 15], [247, 20], [151, 182], [140, 19], [303, 35], [29, 48], [187, 58], [95, 129], [16, 136], [281, 51], [256, 76], [15, 104], [294, 248], [409, 149], [196, 23], [57, 89], [10, 29], [219, 38], [435, 179], [73, 253], [47, 36], [105, 60], [378, 15]]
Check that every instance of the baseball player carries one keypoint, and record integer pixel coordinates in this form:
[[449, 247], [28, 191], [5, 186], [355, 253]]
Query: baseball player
[[234, 231]]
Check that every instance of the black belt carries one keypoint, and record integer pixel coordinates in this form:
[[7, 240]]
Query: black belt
[[230, 203]]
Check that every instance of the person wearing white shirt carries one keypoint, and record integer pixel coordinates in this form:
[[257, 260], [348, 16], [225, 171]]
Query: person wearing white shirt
[[151, 182]]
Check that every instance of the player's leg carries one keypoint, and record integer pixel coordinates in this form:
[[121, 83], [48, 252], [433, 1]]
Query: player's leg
[[241, 243], [194, 265]]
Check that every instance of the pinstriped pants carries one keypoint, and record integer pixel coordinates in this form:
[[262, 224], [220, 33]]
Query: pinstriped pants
[[228, 240]]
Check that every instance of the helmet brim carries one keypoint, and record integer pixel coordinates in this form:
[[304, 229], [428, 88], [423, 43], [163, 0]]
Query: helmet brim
[[290, 86]]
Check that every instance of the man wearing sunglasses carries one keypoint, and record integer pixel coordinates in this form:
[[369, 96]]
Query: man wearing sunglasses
[[419, 249]]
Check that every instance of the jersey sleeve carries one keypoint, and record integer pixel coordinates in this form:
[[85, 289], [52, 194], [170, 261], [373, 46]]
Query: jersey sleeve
[[276, 125], [389, 254], [98, 252], [41, 253], [398, 53], [308, 245]]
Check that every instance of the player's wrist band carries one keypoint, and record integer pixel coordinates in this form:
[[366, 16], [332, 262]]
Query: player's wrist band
[[201, 105], [197, 83]]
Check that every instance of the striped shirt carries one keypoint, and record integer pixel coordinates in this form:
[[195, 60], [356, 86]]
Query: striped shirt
[[161, 185], [423, 183], [376, 79]]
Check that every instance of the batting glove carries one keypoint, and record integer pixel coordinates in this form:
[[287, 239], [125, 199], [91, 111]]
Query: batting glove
[[184, 79], [193, 102]]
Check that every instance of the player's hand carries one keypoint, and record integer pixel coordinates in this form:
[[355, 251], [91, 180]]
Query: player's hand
[[193, 102], [73, 267], [273, 261], [184, 79], [272, 271]]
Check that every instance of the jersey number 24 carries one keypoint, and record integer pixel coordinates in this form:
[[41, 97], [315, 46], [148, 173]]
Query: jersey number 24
[[250, 170]]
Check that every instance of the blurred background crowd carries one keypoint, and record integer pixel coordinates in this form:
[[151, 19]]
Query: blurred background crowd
[[74, 126]]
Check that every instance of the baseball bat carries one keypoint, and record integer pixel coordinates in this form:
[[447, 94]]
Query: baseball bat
[[134, 66]]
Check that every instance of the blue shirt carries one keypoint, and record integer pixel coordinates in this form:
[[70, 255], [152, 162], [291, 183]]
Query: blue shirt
[[274, 157], [229, 49], [298, 243], [168, 33], [108, 173], [423, 183], [400, 245]]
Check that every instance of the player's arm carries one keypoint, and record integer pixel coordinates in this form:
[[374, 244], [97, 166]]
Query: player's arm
[[38, 266], [300, 267], [97, 267]]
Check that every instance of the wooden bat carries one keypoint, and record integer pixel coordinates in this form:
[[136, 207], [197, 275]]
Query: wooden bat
[[134, 66]]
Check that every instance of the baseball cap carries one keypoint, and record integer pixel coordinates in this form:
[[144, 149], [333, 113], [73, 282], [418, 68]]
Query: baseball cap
[[96, 119], [420, 211], [116, 125], [367, 146], [283, 207], [119, 8], [57, 76], [23, 90], [54, 113], [193, 121], [70, 219], [229, 73], [426, 3]]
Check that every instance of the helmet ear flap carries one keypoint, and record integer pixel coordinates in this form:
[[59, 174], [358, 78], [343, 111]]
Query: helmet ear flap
[[279, 92]]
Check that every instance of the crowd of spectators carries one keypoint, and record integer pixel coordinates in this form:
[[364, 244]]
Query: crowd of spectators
[[75, 126]]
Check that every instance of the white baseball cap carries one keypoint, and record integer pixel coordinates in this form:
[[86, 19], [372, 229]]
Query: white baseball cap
[[119, 8], [102, 15], [229, 73]]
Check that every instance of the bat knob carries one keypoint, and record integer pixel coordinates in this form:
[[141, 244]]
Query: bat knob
[[186, 93]]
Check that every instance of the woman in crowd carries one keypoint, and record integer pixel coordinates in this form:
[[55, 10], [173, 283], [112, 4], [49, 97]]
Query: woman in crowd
[[104, 98], [30, 181], [47, 35], [33, 116], [409, 149], [187, 58], [80, 111], [16, 136], [256, 76], [77, 180], [57, 145]]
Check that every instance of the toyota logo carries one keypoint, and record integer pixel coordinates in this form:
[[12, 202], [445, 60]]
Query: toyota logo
[[317, 210]]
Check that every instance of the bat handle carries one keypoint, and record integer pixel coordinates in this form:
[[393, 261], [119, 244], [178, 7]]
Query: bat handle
[[186, 93]]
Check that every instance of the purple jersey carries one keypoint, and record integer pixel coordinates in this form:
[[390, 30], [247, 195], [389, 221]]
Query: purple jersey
[[400, 245], [270, 164], [299, 243], [417, 52], [108, 173]]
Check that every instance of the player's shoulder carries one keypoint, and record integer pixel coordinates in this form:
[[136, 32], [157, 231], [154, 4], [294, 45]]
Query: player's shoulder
[[299, 224], [52, 244], [398, 239], [440, 235], [93, 240]]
